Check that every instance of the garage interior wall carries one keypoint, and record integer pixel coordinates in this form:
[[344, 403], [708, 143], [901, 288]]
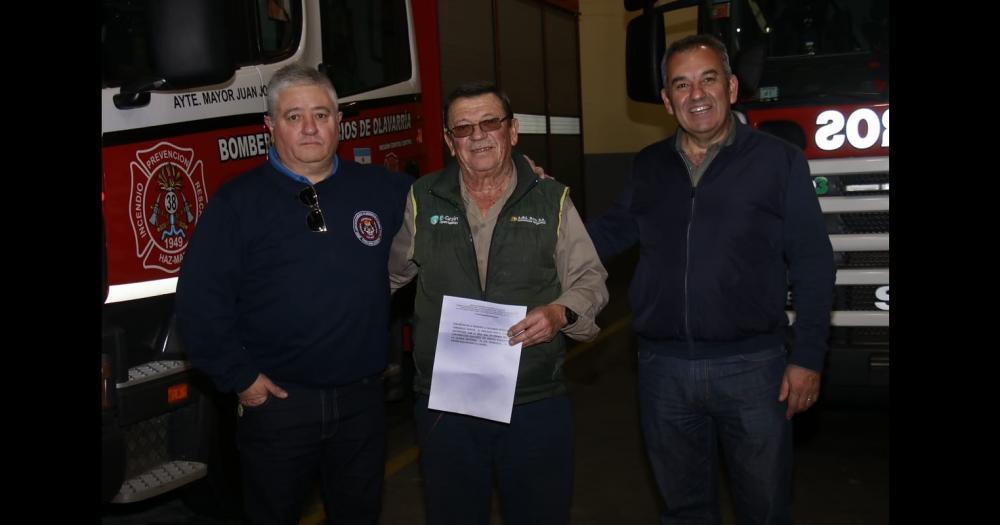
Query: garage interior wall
[[530, 48], [615, 127]]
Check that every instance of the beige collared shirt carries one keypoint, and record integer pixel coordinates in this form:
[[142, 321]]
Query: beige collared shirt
[[581, 273]]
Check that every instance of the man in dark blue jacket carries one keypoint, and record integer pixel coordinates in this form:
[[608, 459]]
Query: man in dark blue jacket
[[727, 219], [283, 298]]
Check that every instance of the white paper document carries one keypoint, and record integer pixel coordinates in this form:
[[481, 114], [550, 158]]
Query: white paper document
[[475, 369]]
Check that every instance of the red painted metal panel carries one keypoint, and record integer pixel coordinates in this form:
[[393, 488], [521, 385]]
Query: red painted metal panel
[[835, 131], [425, 22], [154, 192]]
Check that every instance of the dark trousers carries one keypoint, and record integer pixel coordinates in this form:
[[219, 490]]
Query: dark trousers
[[532, 458], [336, 435], [687, 407]]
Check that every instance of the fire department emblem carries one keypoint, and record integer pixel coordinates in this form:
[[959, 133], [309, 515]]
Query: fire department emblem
[[167, 196], [367, 228]]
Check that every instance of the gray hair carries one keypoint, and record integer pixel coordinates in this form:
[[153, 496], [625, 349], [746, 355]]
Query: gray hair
[[692, 42], [296, 75]]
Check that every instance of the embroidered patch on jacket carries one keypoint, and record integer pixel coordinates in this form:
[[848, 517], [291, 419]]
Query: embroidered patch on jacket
[[367, 227], [524, 218], [444, 219]]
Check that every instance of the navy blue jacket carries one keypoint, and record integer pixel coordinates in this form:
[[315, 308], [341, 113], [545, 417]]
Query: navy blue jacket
[[260, 292], [715, 261]]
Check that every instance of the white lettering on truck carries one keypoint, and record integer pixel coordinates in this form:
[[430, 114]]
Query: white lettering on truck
[[370, 127], [244, 146], [220, 96], [834, 129], [882, 294]]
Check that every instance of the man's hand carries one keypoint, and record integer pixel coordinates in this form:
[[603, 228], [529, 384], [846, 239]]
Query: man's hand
[[257, 393], [537, 169], [539, 326], [800, 387]]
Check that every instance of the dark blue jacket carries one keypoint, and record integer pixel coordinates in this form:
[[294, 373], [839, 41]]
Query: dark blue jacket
[[715, 261], [260, 292]]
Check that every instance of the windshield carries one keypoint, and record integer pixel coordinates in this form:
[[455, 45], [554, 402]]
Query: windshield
[[365, 43], [807, 27], [263, 31]]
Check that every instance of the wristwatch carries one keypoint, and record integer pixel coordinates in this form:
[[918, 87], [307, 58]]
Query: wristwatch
[[571, 316]]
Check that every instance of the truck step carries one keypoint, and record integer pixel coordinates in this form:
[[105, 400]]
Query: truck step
[[153, 370], [160, 479]]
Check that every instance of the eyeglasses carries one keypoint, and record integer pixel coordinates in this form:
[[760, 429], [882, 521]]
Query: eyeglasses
[[315, 218], [464, 130]]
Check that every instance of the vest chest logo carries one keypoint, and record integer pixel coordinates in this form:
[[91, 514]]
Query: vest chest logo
[[524, 218], [167, 196], [450, 220], [367, 228]]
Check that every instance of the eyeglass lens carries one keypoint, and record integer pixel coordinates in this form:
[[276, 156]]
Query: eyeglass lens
[[464, 130]]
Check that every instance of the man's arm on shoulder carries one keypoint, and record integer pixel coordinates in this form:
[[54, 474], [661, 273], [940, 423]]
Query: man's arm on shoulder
[[205, 304], [615, 230]]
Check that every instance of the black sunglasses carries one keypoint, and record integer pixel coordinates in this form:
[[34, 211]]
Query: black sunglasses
[[464, 130], [315, 218]]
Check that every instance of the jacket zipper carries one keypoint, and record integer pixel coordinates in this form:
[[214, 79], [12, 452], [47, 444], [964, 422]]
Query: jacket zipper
[[472, 243], [493, 236], [687, 268]]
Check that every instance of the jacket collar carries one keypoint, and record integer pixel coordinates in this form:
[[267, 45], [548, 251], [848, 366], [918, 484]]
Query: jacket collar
[[737, 137]]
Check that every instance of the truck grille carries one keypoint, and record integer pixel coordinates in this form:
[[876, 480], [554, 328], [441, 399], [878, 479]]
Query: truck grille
[[867, 222], [861, 259], [861, 297], [859, 335], [857, 222], [853, 185]]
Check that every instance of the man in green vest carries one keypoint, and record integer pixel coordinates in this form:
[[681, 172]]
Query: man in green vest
[[487, 228]]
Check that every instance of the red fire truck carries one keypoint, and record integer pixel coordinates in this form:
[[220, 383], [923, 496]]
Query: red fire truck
[[183, 96], [816, 73]]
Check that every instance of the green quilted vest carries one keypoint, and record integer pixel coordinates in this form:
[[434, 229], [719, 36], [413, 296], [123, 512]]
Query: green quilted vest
[[521, 268]]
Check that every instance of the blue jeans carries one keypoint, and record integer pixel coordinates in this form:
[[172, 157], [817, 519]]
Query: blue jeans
[[688, 406], [336, 435], [532, 457]]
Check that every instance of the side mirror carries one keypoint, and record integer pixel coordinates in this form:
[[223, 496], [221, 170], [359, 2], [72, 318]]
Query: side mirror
[[644, 48], [636, 5], [749, 67]]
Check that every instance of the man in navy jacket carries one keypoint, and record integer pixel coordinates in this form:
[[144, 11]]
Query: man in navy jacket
[[727, 219], [283, 299]]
